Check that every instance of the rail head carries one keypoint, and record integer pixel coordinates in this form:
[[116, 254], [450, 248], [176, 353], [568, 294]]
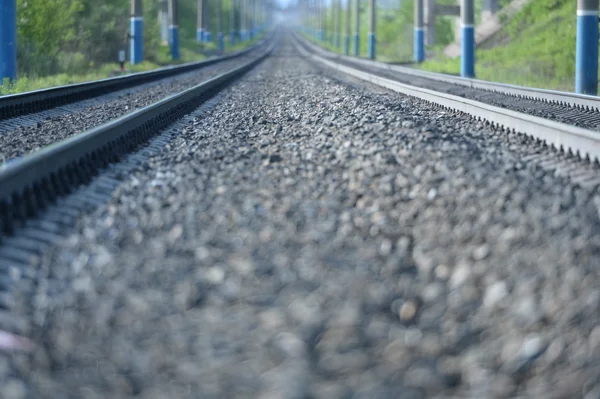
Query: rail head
[[15, 105], [549, 96], [35, 179], [578, 141]]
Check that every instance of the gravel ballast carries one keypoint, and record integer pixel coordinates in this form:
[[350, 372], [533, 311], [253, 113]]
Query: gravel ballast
[[316, 238], [22, 140], [585, 117]]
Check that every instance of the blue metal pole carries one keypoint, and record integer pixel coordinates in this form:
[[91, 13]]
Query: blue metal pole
[[347, 34], [174, 29], [232, 23], [338, 24], [221, 41], [332, 29], [252, 18], [137, 40], [258, 18], [467, 42], [315, 14], [200, 21], [206, 28], [356, 28], [586, 60], [220, 36], [313, 18], [371, 45], [371, 38], [419, 45], [8, 40], [318, 19], [174, 41], [243, 20], [249, 30], [419, 49], [136, 47], [467, 61], [322, 18], [308, 13]]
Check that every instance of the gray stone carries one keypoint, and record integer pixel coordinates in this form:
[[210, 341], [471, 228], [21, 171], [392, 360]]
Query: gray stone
[[495, 294]]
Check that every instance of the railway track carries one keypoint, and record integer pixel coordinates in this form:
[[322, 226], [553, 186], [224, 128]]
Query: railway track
[[27, 133], [32, 183], [304, 233], [567, 121], [12, 106]]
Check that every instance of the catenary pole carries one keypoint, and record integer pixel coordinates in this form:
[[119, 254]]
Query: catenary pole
[[586, 58], [232, 29], [372, 21], [8, 40], [356, 28], [347, 35], [419, 47], [220, 37], [174, 28], [338, 24], [136, 48], [200, 21], [467, 41]]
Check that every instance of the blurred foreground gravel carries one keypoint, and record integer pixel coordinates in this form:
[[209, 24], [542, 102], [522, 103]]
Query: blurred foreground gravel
[[316, 239]]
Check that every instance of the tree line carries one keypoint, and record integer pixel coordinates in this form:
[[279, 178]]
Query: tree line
[[73, 36]]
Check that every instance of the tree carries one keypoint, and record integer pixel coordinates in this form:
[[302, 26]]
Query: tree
[[42, 27]]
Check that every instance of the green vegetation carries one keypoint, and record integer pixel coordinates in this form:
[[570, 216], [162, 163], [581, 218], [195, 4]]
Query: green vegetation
[[71, 41], [394, 31], [26, 83], [536, 48]]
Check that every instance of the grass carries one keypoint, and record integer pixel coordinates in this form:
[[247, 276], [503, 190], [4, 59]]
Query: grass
[[536, 49], [188, 53], [26, 83], [394, 31]]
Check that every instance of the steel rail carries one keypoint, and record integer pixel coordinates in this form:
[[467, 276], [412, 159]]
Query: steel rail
[[15, 105], [542, 95], [582, 142], [31, 183]]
